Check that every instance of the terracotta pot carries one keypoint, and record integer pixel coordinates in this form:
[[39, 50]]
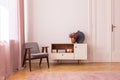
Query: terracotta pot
[[73, 40]]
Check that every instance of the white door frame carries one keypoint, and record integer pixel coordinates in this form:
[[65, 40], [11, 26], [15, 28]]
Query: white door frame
[[93, 29], [109, 25]]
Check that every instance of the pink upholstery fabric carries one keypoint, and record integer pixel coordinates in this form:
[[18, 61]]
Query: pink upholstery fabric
[[75, 76], [11, 49]]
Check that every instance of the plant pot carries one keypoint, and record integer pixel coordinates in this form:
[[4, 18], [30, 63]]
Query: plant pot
[[73, 40]]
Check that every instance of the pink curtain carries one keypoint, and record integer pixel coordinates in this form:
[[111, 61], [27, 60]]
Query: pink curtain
[[11, 53]]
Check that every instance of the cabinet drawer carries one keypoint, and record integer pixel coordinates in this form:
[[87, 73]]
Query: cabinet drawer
[[62, 56]]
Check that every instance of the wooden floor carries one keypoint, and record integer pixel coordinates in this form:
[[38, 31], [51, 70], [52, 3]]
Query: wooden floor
[[68, 67]]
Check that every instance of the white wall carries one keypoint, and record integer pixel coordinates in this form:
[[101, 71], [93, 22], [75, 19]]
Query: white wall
[[51, 21]]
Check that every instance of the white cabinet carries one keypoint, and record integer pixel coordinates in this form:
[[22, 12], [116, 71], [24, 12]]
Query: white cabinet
[[69, 51]]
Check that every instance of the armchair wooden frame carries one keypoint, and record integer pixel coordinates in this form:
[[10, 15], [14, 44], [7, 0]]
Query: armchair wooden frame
[[28, 53]]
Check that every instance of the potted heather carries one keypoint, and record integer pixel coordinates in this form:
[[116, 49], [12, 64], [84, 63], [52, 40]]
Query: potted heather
[[73, 37]]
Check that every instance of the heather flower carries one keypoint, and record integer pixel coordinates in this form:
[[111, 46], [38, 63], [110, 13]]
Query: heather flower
[[73, 35]]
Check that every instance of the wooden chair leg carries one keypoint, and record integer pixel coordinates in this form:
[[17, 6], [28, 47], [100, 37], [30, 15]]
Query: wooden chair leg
[[30, 64], [28, 50], [24, 63], [48, 62], [40, 62], [24, 60]]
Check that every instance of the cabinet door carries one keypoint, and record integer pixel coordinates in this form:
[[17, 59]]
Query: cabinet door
[[80, 51]]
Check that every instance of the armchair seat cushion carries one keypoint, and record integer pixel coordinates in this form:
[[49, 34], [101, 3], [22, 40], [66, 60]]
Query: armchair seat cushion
[[39, 55]]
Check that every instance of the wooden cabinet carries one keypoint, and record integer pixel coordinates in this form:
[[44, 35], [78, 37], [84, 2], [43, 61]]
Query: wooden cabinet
[[69, 51]]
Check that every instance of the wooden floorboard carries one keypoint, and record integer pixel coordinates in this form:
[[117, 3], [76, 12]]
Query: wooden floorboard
[[65, 67]]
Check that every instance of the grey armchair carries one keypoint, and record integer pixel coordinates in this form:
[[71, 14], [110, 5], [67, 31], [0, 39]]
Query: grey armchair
[[32, 52]]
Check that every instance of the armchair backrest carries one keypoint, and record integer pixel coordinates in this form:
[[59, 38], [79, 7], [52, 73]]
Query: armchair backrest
[[34, 47]]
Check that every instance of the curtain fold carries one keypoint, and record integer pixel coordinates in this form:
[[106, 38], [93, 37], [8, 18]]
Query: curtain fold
[[22, 38], [11, 42]]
